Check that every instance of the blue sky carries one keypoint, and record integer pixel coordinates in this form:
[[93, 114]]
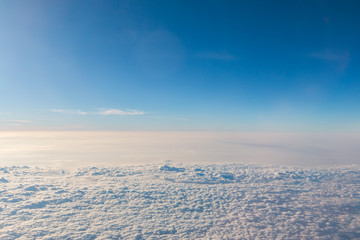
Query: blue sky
[[180, 65]]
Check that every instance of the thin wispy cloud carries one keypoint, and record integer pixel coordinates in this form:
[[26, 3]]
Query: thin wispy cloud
[[171, 118], [67, 111], [17, 123], [20, 121], [341, 58], [119, 112], [329, 55], [220, 56], [100, 111]]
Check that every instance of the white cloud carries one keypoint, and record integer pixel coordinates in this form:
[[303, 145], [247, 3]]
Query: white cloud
[[179, 201], [100, 111], [119, 112], [67, 111]]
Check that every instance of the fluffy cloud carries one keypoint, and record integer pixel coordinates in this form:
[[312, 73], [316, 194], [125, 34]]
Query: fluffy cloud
[[224, 201]]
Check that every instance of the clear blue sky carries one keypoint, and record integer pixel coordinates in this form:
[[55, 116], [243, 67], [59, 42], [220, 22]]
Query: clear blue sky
[[180, 65]]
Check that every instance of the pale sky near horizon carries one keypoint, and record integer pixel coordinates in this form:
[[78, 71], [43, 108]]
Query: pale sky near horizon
[[81, 149], [280, 66]]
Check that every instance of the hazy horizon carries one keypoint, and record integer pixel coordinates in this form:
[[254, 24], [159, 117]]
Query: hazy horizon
[[116, 148]]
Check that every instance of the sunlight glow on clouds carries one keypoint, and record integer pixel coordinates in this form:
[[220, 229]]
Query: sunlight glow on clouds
[[112, 148]]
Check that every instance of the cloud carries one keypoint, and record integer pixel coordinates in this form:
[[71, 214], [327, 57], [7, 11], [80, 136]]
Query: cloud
[[100, 111], [340, 58], [119, 112], [331, 55], [17, 123], [220, 56], [285, 199], [159, 53], [20, 121], [284, 147], [67, 111]]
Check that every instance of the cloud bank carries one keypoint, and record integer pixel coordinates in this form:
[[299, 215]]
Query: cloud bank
[[187, 201]]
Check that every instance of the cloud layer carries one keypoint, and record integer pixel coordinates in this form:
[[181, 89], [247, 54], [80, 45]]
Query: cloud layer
[[224, 201]]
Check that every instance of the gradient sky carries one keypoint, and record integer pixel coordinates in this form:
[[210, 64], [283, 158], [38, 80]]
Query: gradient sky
[[180, 65]]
